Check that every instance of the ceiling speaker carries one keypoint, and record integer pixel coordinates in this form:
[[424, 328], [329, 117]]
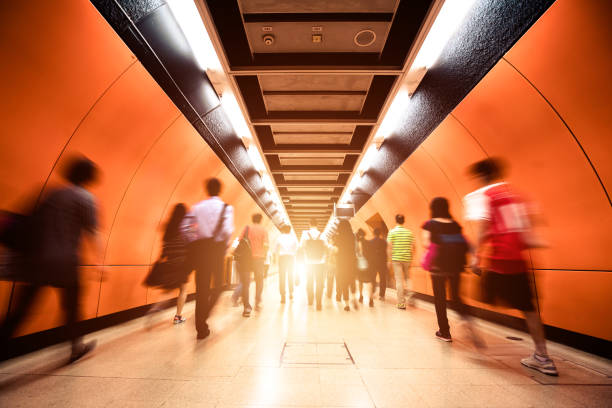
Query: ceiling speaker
[[364, 38]]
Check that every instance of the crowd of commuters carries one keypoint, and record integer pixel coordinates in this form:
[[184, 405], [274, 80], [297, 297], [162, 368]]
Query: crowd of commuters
[[197, 240]]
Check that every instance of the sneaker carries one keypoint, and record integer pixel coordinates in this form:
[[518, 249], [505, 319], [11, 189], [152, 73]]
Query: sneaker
[[179, 319], [347, 308], [401, 306], [247, 311], [381, 298], [319, 307], [371, 303], [542, 364], [258, 307], [443, 337], [82, 350], [204, 334]]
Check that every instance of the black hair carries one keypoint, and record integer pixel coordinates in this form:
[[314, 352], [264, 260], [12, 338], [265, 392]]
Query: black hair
[[399, 218], [489, 169], [256, 218], [285, 229], [360, 233], [344, 230], [377, 232], [439, 208], [174, 222], [81, 171], [213, 187]]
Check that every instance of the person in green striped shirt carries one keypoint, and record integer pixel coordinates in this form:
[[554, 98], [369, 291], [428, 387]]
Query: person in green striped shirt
[[401, 250]]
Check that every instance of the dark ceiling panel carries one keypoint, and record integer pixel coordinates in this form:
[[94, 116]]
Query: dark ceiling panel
[[228, 21], [315, 17]]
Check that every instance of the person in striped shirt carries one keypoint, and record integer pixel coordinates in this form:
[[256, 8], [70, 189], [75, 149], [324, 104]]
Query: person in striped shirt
[[401, 249]]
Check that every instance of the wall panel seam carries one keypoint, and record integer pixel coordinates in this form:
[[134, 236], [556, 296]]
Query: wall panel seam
[[586, 156]]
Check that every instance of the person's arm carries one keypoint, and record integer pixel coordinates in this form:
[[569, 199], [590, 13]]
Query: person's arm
[[425, 238], [389, 247], [481, 226], [227, 228]]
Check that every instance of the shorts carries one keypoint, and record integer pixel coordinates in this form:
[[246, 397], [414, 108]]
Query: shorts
[[508, 289]]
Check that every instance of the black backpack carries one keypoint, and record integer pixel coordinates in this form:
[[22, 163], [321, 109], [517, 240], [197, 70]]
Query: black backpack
[[314, 248], [243, 252]]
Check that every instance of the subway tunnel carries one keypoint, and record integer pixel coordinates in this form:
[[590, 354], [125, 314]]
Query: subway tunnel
[[304, 110]]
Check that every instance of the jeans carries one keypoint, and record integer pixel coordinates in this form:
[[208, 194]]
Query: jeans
[[316, 272], [285, 273], [401, 270], [439, 288]]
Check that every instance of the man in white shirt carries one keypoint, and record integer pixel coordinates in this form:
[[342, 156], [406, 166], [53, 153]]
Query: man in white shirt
[[314, 249], [208, 226], [286, 248]]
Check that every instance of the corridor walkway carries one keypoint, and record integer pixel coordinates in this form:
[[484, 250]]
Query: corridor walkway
[[292, 355]]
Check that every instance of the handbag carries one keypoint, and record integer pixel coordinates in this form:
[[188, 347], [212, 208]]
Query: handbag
[[427, 262]]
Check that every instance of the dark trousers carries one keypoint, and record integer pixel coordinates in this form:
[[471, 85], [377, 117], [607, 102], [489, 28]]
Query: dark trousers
[[439, 289], [285, 273], [380, 268], [330, 281], [70, 304], [206, 257], [242, 290], [315, 272], [258, 275]]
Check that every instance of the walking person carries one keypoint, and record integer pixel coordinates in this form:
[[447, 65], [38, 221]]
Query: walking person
[[58, 225], [286, 248], [401, 250], [171, 271], [446, 249], [346, 262], [208, 226], [314, 250], [258, 239], [362, 263], [502, 227], [377, 261]]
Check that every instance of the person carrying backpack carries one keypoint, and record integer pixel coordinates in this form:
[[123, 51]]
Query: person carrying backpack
[[445, 259], [314, 250]]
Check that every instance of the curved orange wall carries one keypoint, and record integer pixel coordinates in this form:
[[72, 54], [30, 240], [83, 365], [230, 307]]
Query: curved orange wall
[[71, 85], [544, 102]]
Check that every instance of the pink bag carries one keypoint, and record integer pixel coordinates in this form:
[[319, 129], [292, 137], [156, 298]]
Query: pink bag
[[429, 256]]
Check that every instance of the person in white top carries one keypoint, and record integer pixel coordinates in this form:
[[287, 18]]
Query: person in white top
[[208, 227], [286, 248], [314, 250]]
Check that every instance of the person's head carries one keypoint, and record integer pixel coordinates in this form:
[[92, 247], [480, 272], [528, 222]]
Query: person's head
[[81, 172], [256, 218], [377, 232], [213, 187], [488, 170], [360, 233], [172, 227], [399, 218], [439, 208], [344, 228], [285, 229], [313, 223]]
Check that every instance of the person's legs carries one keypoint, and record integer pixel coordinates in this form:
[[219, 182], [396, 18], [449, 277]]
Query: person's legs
[[70, 304], [24, 303], [398, 272], [258, 272], [290, 271], [408, 293], [245, 285], [382, 274], [216, 263], [329, 290], [200, 254], [320, 277], [282, 275], [310, 272], [439, 290], [180, 300]]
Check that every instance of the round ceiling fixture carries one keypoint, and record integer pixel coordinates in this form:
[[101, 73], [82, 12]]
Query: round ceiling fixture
[[364, 38]]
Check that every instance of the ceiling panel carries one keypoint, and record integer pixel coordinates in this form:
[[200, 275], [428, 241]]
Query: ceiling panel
[[312, 161], [314, 177], [294, 37], [317, 6], [312, 138], [314, 102], [315, 82], [310, 189], [315, 127]]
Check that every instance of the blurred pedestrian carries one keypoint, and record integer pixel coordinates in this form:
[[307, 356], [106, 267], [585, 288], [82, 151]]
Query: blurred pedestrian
[[401, 250], [377, 261], [314, 250], [208, 227], [446, 249], [363, 267], [286, 248], [258, 239], [57, 227], [502, 228], [346, 261]]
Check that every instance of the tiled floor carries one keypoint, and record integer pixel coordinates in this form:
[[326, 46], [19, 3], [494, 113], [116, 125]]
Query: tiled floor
[[292, 355]]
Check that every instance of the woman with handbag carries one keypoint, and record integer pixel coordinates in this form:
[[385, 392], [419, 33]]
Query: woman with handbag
[[171, 270], [445, 258]]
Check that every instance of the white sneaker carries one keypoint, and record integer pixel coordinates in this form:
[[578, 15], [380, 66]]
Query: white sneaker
[[542, 364]]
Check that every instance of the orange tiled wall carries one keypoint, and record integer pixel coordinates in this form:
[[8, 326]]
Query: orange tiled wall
[[71, 85], [545, 107]]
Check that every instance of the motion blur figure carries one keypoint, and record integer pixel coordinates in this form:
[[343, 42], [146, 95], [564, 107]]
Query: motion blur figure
[[376, 255], [286, 248], [56, 229], [315, 251], [346, 262], [503, 232]]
